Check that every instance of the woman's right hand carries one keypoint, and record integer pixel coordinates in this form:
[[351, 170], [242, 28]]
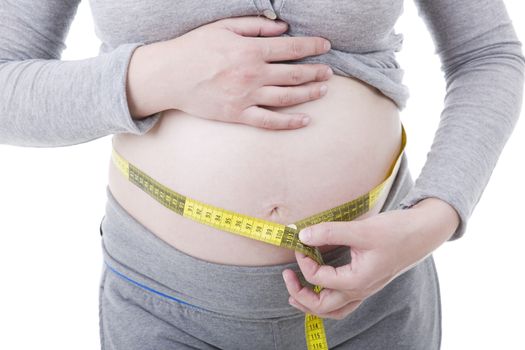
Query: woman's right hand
[[222, 71]]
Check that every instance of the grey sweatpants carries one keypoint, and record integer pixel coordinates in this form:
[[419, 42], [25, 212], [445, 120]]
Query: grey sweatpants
[[153, 296]]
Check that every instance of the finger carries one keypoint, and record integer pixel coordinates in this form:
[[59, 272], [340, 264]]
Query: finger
[[267, 119], [338, 314], [350, 233], [326, 301], [291, 48], [296, 290], [253, 26], [343, 312], [294, 74], [340, 278], [298, 305], [277, 96]]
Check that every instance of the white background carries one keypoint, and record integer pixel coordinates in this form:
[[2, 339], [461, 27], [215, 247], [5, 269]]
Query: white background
[[52, 201]]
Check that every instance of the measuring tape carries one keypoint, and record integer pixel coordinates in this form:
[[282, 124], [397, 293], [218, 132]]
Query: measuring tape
[[285, 236]]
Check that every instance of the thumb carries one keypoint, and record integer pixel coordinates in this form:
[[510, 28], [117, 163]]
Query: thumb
[[350, 233], [254, 26]]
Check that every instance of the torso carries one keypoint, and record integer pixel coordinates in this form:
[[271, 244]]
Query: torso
[[278, 175]]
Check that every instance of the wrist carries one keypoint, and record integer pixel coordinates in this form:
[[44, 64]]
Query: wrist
[[142, 84], [441, 214]]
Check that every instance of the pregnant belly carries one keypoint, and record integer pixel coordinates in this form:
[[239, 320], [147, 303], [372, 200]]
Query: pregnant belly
[[279, 175]]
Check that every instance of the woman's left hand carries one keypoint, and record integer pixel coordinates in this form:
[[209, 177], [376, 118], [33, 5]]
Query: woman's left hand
[[383, 246]]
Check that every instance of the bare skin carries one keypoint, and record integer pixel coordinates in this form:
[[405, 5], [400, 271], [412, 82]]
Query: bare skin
[[278, 171], [278, 175]]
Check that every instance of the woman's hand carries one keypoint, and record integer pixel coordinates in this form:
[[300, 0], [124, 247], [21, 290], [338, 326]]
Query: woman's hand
[[383, 246], [222, 71]]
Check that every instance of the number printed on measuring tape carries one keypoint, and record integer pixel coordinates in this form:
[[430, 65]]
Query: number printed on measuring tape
[[285, 236]]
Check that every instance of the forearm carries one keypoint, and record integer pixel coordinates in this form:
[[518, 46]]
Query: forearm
[[483, 65], [47, 102], [481, 109], [50, 103]]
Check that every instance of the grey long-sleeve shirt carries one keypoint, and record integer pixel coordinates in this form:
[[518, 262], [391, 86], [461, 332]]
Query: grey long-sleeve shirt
[[47, 102]]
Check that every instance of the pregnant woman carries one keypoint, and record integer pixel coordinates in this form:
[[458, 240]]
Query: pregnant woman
[[210, 100]]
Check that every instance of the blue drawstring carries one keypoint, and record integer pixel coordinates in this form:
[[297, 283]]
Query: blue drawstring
[[148, 288]]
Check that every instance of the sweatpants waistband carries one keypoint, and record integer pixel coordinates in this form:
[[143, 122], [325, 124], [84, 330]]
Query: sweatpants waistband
[[255, 292]]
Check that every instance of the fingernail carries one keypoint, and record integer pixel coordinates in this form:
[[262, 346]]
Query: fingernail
[[304, 235], [327, 45], [329, 72], [305, 120], [284, 277], [323, 90]]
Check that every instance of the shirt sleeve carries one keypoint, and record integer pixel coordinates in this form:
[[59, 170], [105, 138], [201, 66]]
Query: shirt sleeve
[[483, 65], [47, 102]]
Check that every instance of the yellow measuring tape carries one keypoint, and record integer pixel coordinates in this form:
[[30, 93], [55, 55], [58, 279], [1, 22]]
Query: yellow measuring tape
[[285, 236]]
